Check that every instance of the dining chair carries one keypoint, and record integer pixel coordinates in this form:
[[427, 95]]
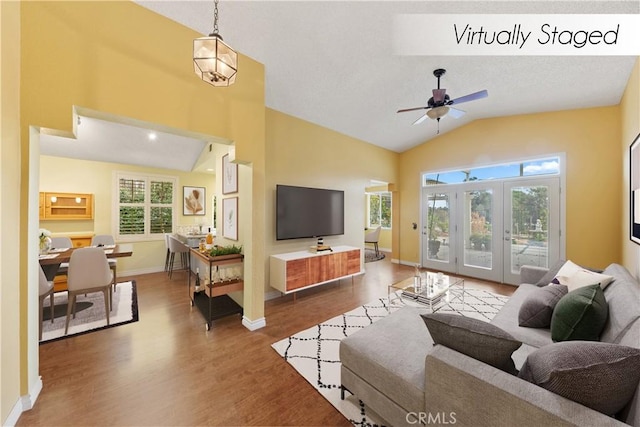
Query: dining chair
[[46, 290], [177, 247], [88, 272], [104, 240], [61, 243], [373, 237], [167, 256]]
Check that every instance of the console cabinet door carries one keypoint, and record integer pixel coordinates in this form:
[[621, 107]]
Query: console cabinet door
[[297, 276], [323, 268], [353, 262]]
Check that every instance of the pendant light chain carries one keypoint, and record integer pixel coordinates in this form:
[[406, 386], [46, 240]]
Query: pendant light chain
[[215, 17]]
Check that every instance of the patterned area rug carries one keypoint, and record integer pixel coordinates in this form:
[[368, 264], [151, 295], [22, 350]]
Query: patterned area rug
[[314, 351], [370, 255], [92, 318]]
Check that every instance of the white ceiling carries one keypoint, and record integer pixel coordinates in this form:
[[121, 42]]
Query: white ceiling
[[108, 141], [331, 63]]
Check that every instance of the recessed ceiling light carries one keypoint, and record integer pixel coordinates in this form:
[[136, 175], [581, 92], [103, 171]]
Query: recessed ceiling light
[[153, 136], [209, 169]]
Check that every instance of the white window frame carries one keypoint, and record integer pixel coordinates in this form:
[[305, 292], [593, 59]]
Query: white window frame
[[115, 223], [381, 194]]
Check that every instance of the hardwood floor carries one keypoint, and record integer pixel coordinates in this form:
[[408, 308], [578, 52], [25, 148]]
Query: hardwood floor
[[166, 369]]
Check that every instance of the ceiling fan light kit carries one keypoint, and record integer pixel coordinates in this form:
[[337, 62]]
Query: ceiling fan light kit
[[439, 105], [214, 61]]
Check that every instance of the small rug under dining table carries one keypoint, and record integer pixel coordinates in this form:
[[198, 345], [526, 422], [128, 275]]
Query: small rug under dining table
[[90, 312]]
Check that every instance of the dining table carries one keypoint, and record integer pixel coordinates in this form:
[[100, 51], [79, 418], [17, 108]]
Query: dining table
[[51, 261]]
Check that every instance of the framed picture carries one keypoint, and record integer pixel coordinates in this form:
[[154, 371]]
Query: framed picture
[[193, 201], [634, 189], [230, 218], [229, 176]]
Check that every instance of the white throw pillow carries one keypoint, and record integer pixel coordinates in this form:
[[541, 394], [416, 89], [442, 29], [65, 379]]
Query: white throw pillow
[[568, 269], [582, 278]]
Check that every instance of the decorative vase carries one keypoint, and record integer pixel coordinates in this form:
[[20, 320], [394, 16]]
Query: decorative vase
[[45, 245]]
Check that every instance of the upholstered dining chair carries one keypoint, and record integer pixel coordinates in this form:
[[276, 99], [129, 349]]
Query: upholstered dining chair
[[373, 237], [105, 240], [168, 255], [88, 272], [46, 290], [177, 247], [62, 243]]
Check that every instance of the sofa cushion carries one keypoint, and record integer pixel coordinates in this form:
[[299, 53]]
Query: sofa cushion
[[553, 272], [536, 310], [580, 315], [507, 319], [601, 376], [622, 295], [584, 278], [573, 276], [389, 355], [475, 338]]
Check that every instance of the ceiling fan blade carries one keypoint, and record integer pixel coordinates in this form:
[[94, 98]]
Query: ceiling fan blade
[[413, 109], [455, 113], [420, 119], [470, 97], [438, 95]]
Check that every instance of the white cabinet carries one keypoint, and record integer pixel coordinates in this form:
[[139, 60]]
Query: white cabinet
[[293, 271]]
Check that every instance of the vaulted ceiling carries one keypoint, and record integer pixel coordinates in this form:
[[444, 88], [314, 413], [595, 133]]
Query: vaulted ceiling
[[332, 63]]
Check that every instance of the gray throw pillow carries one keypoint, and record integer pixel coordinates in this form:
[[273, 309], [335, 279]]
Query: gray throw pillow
[[601, 376], [475, 338], [580, 315], [536, 310]]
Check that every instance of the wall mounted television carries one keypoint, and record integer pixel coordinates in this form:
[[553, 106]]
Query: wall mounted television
[[308, 212]]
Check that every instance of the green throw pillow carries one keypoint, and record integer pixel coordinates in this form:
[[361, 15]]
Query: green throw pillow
[[475, 338], [580, 315]]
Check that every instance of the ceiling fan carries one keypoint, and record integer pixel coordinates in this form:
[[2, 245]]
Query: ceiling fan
[[440, 104]]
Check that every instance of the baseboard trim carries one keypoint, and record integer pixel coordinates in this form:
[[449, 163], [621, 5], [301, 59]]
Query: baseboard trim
[[29, 401], [14, 415], [254, 325], [25, 403]]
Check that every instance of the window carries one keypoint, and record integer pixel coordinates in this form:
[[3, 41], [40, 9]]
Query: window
[[145, 207], [379, 209], [549, 166]]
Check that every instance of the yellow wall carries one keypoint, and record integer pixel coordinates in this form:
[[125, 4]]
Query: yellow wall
[[11, 359], [590, 138], [303, 154], [60, 174], [630, 113], [121, 59]]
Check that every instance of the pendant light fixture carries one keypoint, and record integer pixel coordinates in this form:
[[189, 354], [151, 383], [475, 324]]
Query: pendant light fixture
[[214, 61]]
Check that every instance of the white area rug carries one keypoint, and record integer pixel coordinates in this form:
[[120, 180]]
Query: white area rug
[[314, 351], [125, 310]]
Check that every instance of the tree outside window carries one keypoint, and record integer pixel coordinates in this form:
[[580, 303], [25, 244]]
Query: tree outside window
[[379, 210]]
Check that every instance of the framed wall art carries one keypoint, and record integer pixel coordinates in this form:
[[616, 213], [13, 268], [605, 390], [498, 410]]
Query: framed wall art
[[193, 201], [229, 176], [230, 218], [634, 189]]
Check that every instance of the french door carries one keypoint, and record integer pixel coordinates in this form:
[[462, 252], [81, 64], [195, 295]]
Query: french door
[[489, 229]]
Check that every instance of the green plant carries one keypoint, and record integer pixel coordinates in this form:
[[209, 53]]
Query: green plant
[[478, 240], [225, 250]]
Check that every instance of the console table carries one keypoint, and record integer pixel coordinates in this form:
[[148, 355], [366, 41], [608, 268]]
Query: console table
[[213, 301], [294, 271]]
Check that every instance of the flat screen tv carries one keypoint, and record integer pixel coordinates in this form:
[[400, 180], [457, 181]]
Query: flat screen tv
[[308, 212]]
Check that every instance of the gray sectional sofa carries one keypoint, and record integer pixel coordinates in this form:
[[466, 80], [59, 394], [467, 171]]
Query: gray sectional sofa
[[394, 368]]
